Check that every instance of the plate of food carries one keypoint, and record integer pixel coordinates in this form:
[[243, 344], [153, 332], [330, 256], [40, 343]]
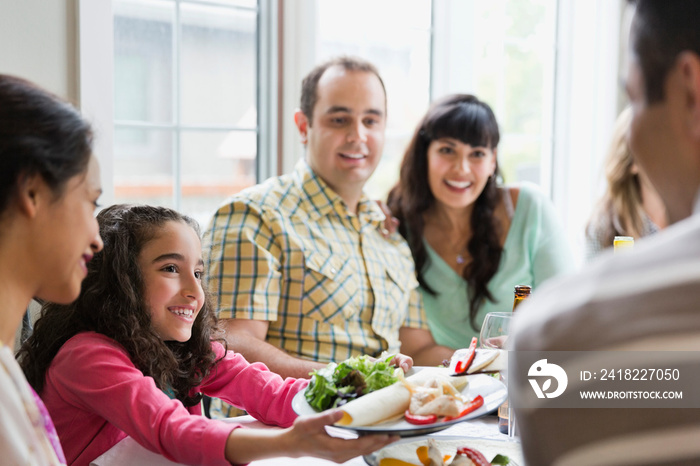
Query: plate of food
[[423, 401], [446, 451]]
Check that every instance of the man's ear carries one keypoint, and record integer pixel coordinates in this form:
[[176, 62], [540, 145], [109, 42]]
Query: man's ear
[[302, 125], [30, 190], [689, 66]]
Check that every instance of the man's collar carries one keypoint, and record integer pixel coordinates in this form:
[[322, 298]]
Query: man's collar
[[324, 200], [370, 209], [317, 192]]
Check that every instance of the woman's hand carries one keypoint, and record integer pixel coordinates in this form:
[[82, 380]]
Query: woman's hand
[[391, 224]]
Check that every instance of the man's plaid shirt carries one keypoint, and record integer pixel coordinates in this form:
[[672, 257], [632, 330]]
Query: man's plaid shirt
[[288, 251]]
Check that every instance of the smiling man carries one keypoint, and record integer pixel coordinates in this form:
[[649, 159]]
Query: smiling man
[[643, 304], [300, 271]]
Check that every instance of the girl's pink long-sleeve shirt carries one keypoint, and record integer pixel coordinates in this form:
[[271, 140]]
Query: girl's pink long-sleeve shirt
[[96, 397]]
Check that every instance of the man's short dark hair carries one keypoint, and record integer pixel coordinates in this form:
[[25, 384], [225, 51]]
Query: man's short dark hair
[[661, 30], [309, 85]]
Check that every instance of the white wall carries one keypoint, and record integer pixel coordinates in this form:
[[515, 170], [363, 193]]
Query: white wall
[[38, 42], [586, 100], [96, 81], [299, 57]]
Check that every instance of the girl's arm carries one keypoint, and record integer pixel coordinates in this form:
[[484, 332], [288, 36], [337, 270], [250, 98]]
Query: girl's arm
[[267, 397], [92, 381], [307, 437], [263, 394], [93, 391]]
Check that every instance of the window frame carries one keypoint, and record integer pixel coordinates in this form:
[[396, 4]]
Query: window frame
[[96, 95]]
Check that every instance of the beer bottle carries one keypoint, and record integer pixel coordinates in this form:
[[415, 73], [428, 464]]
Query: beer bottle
[[623, 243], [522, 292]]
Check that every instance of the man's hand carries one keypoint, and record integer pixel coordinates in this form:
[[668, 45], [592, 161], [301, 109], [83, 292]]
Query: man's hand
[[402, 361]]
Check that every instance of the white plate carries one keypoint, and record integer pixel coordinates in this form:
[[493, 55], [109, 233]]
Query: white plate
[[406, 449], [485, 360], [493, 391]]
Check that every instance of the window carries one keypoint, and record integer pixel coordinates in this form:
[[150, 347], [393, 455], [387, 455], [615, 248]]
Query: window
[[395, 35], [191, 129], [503, 52], [185, 102]]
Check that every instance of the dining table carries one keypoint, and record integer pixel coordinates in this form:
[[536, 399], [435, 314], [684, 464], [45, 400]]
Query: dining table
[[484, 428]]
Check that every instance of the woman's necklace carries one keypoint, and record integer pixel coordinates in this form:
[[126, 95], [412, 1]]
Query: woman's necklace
[[461, 248], [462, 255], [442, 236]]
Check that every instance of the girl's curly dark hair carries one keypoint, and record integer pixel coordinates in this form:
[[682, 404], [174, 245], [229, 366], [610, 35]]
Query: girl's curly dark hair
[[111, 302], [467, 119]]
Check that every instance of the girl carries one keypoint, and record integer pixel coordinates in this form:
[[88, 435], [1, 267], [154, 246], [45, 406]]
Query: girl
[[134, 354], [49, 185], [472, 240]]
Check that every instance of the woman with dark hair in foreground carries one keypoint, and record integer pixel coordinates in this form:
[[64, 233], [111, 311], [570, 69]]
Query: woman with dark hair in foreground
[[49, 186]]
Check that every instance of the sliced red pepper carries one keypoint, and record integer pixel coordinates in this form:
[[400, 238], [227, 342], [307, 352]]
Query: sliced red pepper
[[419, 419], [464, 363], [476, 403], [474, 455]]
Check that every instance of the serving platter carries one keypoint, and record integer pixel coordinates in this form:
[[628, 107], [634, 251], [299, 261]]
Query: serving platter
[[405, 450], [492, 389]]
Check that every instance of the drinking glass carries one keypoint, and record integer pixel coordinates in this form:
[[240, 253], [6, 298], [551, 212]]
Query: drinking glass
[[494, 330], [494, 334]]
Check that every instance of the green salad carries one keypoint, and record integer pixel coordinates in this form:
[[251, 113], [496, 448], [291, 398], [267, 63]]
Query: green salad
[[336, 384]]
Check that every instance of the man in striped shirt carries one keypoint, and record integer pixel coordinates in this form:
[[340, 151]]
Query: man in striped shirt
[[300, 270], [646, 300]]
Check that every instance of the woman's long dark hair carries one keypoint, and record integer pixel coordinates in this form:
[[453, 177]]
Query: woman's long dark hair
[[39, 134], [467, 119], [112, 303]]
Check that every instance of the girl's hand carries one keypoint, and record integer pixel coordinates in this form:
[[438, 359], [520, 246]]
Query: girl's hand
[[308, 437], [402, 361]]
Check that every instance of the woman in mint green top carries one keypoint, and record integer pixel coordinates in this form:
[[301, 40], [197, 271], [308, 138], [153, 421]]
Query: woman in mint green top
[[472, 240], [534, 250]]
